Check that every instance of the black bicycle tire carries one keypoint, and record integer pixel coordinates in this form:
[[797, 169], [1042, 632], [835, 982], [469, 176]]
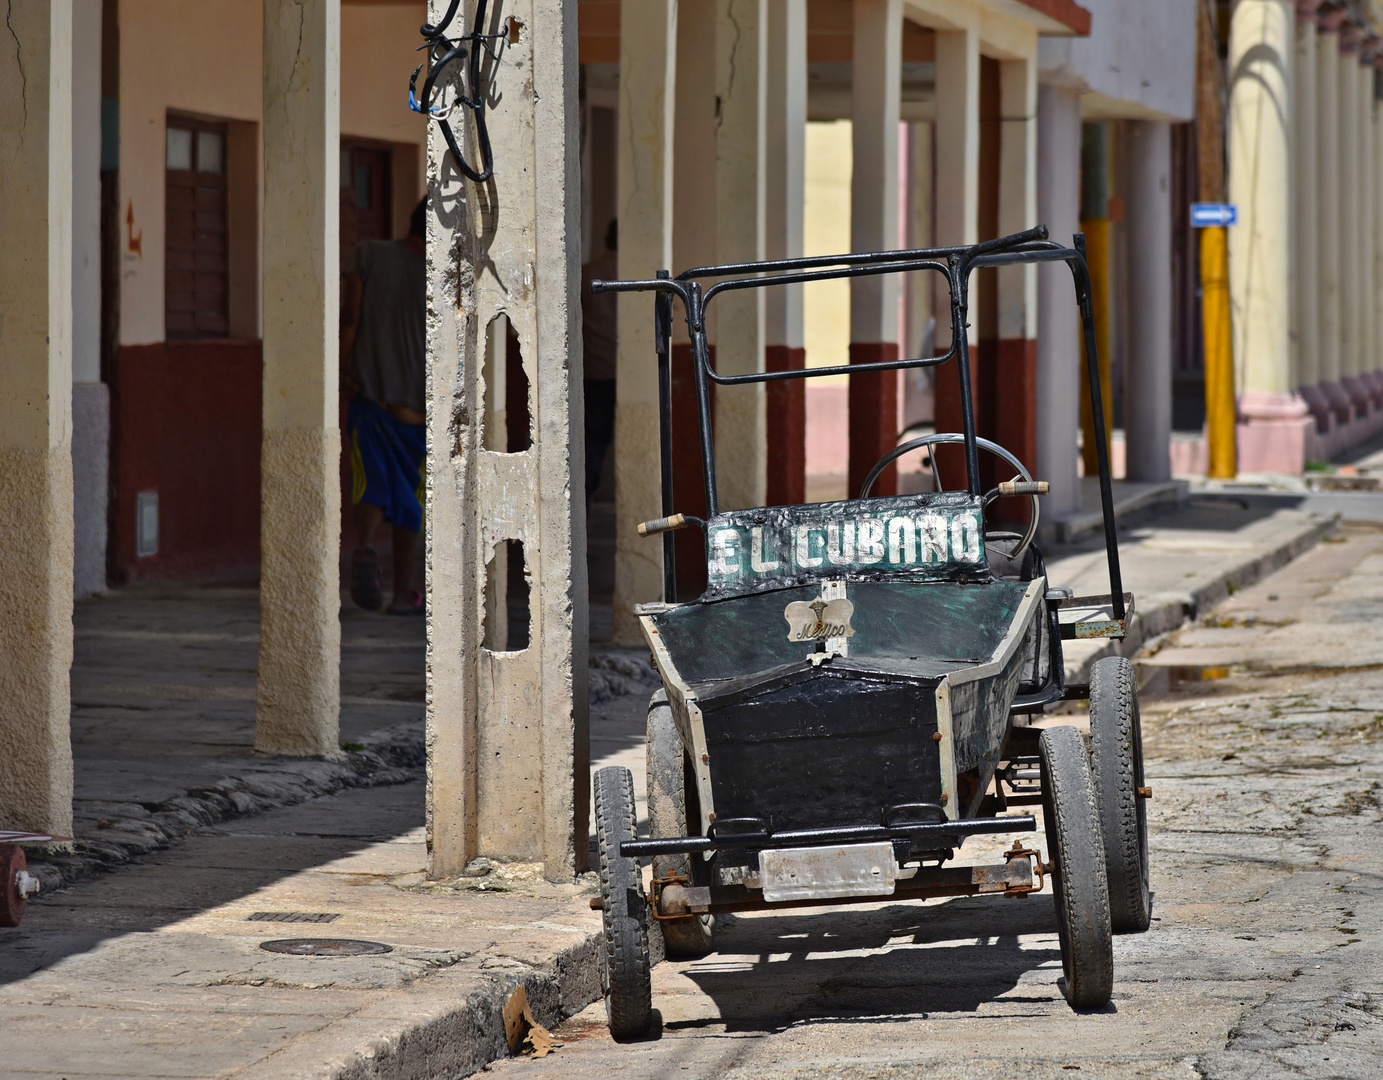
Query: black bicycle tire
[[626, 970]]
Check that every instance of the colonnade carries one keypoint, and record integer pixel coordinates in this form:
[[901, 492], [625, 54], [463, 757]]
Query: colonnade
[[1304, 258]]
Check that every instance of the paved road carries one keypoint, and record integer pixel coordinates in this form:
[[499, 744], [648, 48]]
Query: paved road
[[1263, 959]]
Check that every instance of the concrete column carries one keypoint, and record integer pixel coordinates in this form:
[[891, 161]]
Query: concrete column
[[1273, 421], [1347, 194], [1328, 214], [785, 162], [299, 696], [741, 42], [1148, 375], [1364, 246], [1016, 405], [1378, 231], [508, 736], [1059, 353], [90, 397], [36, 417], [957, 128], [875, 89], [1304, 169], [648, 97]]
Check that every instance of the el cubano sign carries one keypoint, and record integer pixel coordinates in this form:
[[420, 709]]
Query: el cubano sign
[[938, 537]]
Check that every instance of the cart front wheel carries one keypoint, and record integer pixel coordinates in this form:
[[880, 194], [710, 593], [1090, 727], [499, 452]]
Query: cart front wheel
[[626, 975], [668, 816], [1116, 760], [1076, 851]]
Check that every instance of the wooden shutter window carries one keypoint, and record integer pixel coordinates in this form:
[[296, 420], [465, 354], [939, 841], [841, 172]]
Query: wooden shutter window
[[195, 270]]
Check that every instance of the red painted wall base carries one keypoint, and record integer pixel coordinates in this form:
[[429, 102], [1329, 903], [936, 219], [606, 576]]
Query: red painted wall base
[[787, 427], [873, 417]]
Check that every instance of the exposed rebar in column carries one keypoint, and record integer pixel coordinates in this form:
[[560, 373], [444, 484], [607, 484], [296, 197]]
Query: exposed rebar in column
[[508, 732], [36, 419]]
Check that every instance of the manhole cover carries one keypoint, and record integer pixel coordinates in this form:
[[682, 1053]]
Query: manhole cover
[[324, 946]]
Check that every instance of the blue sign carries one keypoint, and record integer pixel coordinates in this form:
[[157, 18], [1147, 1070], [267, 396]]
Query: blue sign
[[1205, 215]]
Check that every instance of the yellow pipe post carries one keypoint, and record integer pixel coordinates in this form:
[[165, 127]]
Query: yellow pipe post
[[1220, 416]]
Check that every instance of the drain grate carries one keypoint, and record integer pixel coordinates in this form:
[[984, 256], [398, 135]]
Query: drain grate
[[294, 916], [325, 946]]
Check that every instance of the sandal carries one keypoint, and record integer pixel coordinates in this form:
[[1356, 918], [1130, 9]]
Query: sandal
[[367, 589], [415, 605]]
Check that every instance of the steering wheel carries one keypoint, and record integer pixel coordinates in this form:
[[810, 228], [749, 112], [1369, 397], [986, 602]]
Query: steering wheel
[[948, 438]]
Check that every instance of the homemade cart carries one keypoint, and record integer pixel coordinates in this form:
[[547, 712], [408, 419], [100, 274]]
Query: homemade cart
[[852, 695]]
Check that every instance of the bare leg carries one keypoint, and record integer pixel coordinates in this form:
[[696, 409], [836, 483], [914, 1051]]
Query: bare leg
[[405, 554], [367, 521]]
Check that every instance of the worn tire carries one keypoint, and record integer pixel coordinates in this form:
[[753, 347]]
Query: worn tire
[[667, 816], [626, 975], [1076, 851], [1116, 761]]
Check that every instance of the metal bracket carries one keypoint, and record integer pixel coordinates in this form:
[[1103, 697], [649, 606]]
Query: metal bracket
[[1020, 852]]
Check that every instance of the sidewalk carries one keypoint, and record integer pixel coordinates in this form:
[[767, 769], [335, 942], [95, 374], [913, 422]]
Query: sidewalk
[[156, 969]]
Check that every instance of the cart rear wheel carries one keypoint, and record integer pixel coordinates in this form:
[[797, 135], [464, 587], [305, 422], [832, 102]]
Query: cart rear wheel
[[1076, 851], [12, 902], [668, 817], [1116, 760], [625, 972]]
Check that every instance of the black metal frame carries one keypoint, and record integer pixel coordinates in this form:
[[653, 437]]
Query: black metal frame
[[955, 264]]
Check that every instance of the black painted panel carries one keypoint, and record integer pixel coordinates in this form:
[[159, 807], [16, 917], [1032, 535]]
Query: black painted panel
[[824, 750]]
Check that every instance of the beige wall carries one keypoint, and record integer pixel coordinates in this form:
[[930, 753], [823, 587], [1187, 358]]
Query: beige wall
[[206, 58]]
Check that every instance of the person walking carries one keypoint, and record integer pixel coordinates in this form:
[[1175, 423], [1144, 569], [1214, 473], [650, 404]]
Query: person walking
[[383, 344]]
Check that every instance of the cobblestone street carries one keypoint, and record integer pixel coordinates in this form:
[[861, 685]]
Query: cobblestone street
[[1265, 757]]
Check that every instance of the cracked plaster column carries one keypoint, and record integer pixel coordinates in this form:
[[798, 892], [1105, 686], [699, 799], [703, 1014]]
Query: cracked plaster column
[[1328, 222], [875, 93], [36, 418], [508, 732], [1273, 421], [648, 98], [785, 163], [1148, 373], [1058, 342], [1305, 257], [1016, 408], [1347, 195], [299, 693], [742, 95]]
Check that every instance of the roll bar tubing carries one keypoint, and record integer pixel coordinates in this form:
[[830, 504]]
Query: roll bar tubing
[[954, 263]]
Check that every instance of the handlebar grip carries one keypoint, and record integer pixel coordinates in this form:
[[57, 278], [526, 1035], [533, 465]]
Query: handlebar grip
[[662, 525], [1023, 487]]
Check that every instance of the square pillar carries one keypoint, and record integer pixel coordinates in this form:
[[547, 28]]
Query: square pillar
[[1016, 361], [1327, 215], [1304, 175], [508, 728], [785, 163], [1347, 195], [299, 692], [1273, 421], [1148, 380], [875, 90], [1059, 355], [957, 127], [648, 99], [741, 43], [36, 418]]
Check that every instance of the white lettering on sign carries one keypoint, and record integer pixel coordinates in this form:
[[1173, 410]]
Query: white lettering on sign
[[840, 543], [757, 562], [902, 541], [725, 543], [869, 536], [805, 558], [925, 538], [965, 538]]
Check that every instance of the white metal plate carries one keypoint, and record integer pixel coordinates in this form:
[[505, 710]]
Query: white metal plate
[[821, 873]]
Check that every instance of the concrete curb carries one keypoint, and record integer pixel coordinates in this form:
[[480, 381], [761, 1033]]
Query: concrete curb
[[430, 1031], [391, 757], [1162, 613]]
